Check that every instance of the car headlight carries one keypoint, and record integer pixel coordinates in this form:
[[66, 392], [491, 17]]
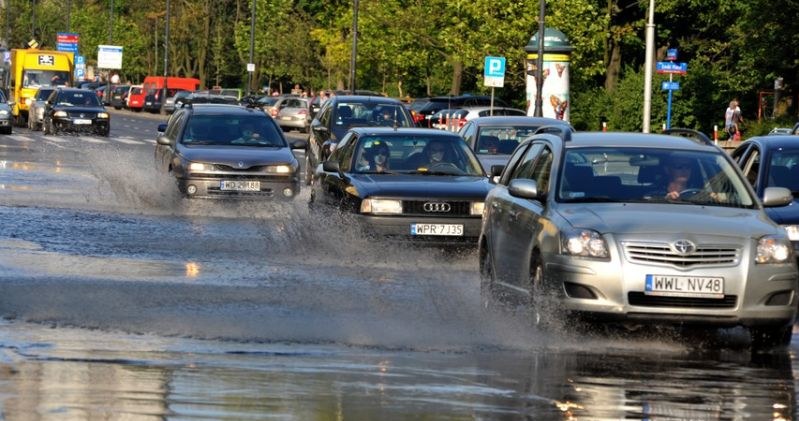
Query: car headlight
[[198, 166], [793, 232], [381, 206], [773, 249], [102, 115], [279, 169], [3, 112], [60, 114], [28, 101], [476, 208], [585, 243]]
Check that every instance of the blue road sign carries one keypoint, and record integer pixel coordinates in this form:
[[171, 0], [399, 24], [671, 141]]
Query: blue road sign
[[669, 86], [494, 67], [80, 60], [671, 67], [671, 54]]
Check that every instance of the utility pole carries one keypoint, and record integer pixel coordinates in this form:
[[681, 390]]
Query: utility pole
[[539, 71], [650, 56], [166, 53], [251, 63], [354, 45]]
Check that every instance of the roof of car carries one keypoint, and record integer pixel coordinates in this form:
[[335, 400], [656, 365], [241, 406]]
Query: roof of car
[[364, 98], [632, 139], [516, 120], [776, 140], [403, 131], [215, 108]]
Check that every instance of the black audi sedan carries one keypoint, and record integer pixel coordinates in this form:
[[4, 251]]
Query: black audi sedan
[[75, 110], [421, 185], [223, 151]]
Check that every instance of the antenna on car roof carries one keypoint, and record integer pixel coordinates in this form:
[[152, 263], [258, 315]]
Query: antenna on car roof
[[563, 132]]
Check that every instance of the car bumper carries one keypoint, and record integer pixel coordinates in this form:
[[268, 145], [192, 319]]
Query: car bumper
[[68, 125], [209, 188], [5, 121], [399, 228], [614, 290], [293, 123]]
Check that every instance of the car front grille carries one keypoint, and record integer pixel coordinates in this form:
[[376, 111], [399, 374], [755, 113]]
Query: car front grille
[[417, 207], [239, 175], [662, 254], [84, 115], [641, 299]]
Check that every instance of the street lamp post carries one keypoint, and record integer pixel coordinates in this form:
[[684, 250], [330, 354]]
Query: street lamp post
[[166, 53], [539, 72], [251, 64], [650, 55], [354, 45]]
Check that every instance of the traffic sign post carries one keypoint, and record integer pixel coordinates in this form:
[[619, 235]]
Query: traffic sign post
[[494, 75], [670, 68]]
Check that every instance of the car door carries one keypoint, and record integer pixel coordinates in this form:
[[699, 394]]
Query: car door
[[320, 132], [333, 185], [164, 154], [469, 134], [503, 209], [526, 219]]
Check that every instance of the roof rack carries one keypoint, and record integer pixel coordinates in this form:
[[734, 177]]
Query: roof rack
[[563, 132], [692, 134]]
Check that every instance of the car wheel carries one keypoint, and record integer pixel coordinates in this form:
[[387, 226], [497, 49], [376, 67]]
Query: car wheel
[[46, 127], [540, 304], [769, 337], [7, 130], [308, 168]]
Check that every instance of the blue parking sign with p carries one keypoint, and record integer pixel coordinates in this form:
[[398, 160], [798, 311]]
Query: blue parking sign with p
[[494, 67]]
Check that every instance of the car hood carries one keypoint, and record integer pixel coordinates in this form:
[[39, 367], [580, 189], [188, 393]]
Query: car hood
[[627, 218], [78, 109], [246, 155], [785, 215], [423, 186]]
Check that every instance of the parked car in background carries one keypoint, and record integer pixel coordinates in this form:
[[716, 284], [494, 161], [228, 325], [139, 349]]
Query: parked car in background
[[448, 119], [292, 114], [226, 151], [637, 229], [773, 161], [493, 139], [342, 112], [119, 96], [417, 185], [207, 97], [37, 107], [423, 108], [72, 110], [795, 129], [135, 100], [154, 89], [6, 117], [274, 108], [175, 101]]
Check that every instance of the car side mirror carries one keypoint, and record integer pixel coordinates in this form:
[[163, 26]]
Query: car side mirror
[[524, 188], [162, 128], [331, 166], [777, 196], [163, 140]]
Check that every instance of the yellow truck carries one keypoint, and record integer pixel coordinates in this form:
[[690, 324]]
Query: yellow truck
[[32, 69]]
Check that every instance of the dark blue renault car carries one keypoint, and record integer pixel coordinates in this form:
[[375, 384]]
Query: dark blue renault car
[[773, 161], [420, 185]]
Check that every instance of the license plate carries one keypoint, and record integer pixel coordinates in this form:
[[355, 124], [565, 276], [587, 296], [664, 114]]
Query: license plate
[[437, 229], [82, 121], [685, 286], [149, 103], [237, 185], [285, 117]]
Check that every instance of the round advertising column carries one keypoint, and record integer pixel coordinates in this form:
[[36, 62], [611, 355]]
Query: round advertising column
[[555, 91]]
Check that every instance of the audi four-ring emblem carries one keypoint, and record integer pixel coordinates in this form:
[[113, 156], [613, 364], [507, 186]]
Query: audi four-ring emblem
[[440, 207]]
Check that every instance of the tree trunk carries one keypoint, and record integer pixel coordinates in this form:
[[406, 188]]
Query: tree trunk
[[457, 77], [614, 65]]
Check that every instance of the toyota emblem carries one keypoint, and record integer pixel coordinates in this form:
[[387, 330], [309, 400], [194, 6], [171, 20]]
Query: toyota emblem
[[683, 247], [241, 164], [439, 207], [82, 115]]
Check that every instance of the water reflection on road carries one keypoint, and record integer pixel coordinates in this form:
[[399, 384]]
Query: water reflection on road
[[119, 300]]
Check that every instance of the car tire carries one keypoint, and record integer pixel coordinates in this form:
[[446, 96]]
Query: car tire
[[540, 305], [308, 168], [765, 338], [7, 130], [46, 128]]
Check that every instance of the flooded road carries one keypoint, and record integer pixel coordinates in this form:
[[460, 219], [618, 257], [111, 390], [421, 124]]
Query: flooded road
[[120, 300]]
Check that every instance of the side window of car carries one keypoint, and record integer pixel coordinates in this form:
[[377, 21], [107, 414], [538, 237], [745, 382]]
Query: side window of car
[[751, 166], [175, 125], [541, 170], [324, 116], [468, 134], [525, 167], [512, 162]]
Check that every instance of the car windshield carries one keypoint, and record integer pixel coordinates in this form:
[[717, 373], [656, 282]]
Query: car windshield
[[227, 130], [36, 78], [78, 99], [605, 174], [415, 154], [502, 140], [783, 170], [356, 114], [43, 94]]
